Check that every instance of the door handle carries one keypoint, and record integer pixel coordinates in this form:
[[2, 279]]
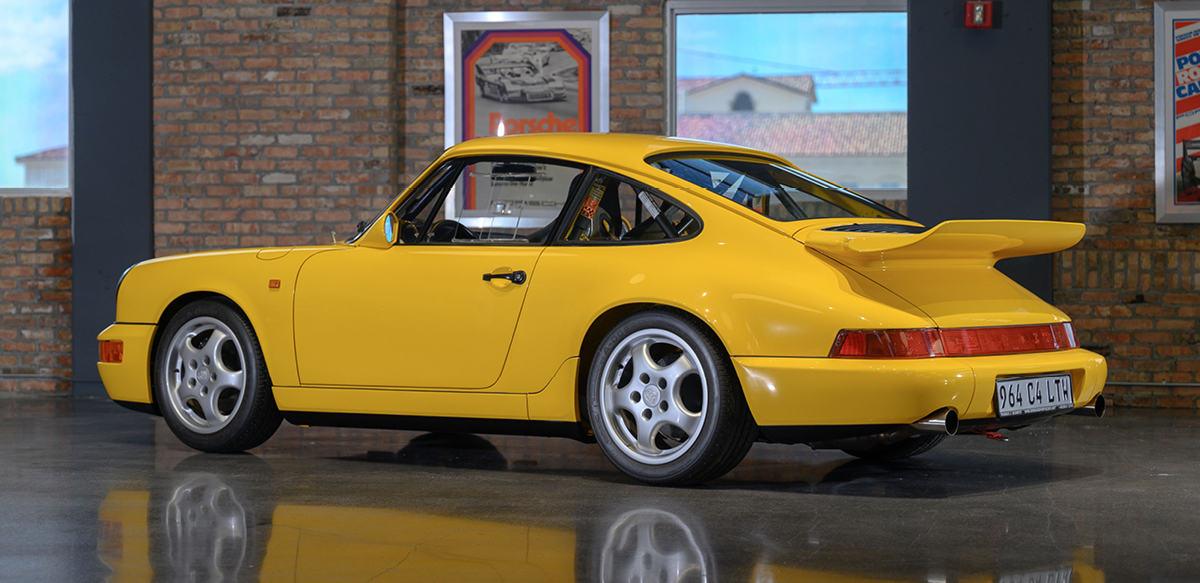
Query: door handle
[[517, 277]]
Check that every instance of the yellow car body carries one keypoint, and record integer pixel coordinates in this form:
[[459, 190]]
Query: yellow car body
[[377, 333]]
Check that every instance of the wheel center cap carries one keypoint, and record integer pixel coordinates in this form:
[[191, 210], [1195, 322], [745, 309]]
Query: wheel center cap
[[651, 396], [203, 375]]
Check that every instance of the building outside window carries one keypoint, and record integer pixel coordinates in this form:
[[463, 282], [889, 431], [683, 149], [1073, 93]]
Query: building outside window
[[823, 84], [34, 97]]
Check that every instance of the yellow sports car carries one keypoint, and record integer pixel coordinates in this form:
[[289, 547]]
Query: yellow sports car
[[673, 300]]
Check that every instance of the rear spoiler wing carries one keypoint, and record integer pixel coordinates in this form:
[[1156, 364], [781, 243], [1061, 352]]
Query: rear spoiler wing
[[965, 242]]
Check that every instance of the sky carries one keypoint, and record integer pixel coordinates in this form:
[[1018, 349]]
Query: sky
[[34, 90], [719, 45]]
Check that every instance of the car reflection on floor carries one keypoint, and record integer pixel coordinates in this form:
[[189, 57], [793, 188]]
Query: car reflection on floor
[[232, 518]]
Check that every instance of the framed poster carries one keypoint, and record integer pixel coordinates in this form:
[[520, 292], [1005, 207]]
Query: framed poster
[[1177, 111], [525, 72]]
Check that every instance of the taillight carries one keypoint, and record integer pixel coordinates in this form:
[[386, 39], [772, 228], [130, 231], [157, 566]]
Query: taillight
[[1007, 340], [112, 351], [917, 343], [934, 342]]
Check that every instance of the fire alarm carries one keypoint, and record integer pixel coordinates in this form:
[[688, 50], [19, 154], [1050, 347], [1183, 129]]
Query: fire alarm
[[978, 14]]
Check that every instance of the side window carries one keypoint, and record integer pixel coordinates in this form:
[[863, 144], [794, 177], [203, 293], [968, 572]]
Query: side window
[[423, 208], [615, 209], [506, 201]]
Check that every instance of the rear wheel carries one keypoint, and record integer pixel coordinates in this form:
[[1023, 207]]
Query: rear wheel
[[664, 403], [896, 451], [210, 380]]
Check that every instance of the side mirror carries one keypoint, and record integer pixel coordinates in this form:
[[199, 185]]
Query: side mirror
[[383, 234]]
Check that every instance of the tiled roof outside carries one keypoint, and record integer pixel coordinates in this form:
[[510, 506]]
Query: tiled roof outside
[[803, 134], [801, 83], [59, 153]]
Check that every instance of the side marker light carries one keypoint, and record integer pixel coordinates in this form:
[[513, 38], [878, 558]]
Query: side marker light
[[112, 351], [273, 284]]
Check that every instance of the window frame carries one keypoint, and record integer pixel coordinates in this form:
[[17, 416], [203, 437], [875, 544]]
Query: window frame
[[563, 229], [456, 166], [675, 8]]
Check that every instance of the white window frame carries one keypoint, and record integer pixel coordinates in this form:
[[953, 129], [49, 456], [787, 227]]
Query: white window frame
[[675, 8]]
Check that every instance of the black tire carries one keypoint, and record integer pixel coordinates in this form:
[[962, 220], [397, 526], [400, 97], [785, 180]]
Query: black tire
[[210, 380], [899, 450], [706, 398]]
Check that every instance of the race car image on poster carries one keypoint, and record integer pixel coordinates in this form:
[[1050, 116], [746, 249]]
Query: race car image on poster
[[517, 77]]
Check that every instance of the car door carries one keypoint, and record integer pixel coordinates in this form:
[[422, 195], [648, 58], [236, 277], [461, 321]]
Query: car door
[[438, 310]]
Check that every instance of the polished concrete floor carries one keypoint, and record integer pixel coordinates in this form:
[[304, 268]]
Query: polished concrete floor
[[92, 492]]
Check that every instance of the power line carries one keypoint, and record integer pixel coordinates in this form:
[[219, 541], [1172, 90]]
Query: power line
[[826, 78]]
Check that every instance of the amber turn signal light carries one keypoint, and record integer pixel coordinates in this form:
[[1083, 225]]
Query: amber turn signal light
[[112, 351]]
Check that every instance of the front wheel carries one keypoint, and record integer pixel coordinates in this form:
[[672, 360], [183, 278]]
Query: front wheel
[[664, 403], [211, 382]]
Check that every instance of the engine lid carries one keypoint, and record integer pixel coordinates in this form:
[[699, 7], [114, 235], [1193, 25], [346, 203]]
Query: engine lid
[[949, 271]]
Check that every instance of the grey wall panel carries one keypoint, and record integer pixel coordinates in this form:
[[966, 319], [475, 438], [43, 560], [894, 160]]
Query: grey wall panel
[[979, 120], [113, 173]]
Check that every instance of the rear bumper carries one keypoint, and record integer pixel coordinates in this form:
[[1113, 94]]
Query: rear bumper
[[823, 392], [129, 380]]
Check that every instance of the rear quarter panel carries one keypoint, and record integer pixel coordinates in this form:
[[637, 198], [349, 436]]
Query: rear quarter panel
[[757, 289]]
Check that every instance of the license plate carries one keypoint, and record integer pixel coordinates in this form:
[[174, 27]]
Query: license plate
[[1060, 575], [1021, 395]]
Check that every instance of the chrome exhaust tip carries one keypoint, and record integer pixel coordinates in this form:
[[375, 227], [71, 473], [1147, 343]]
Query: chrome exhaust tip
[[941, 422], [1096, 408]]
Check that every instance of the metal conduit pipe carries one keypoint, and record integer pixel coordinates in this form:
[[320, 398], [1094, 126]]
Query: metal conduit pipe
[[1150, 384]]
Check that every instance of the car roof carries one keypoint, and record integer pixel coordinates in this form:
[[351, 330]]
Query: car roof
[[611, 149]]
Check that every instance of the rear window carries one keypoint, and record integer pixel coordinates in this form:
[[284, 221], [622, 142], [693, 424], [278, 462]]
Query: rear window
[[773, 190]]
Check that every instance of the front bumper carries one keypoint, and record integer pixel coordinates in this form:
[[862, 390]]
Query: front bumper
[[129, 380], [823, 392]]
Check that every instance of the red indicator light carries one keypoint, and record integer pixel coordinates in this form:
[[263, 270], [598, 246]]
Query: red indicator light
[[112, 351], [978, 15]]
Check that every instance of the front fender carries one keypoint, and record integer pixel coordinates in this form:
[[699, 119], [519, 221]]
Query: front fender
[[244, 277]]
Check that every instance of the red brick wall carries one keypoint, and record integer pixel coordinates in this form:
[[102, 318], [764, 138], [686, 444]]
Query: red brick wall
[[273, 123], [35, 295], [1131, 285]]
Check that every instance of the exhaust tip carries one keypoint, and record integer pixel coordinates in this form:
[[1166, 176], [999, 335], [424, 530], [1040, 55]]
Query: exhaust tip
[[1096, 408], [951, 422], [942, 421]]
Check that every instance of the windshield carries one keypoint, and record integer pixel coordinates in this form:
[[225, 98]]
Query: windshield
[[773, 190]]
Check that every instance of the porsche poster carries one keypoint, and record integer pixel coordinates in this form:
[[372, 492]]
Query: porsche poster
[[1177, 109], [525, 72]]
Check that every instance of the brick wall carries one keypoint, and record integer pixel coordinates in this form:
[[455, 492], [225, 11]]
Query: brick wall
[[35, 295], [1132, 286], [273, 123]]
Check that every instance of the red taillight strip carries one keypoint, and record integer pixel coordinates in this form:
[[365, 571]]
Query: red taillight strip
[[935, 342]]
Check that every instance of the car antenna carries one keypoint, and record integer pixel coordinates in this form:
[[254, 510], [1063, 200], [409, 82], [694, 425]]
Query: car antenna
[[333, 234]]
